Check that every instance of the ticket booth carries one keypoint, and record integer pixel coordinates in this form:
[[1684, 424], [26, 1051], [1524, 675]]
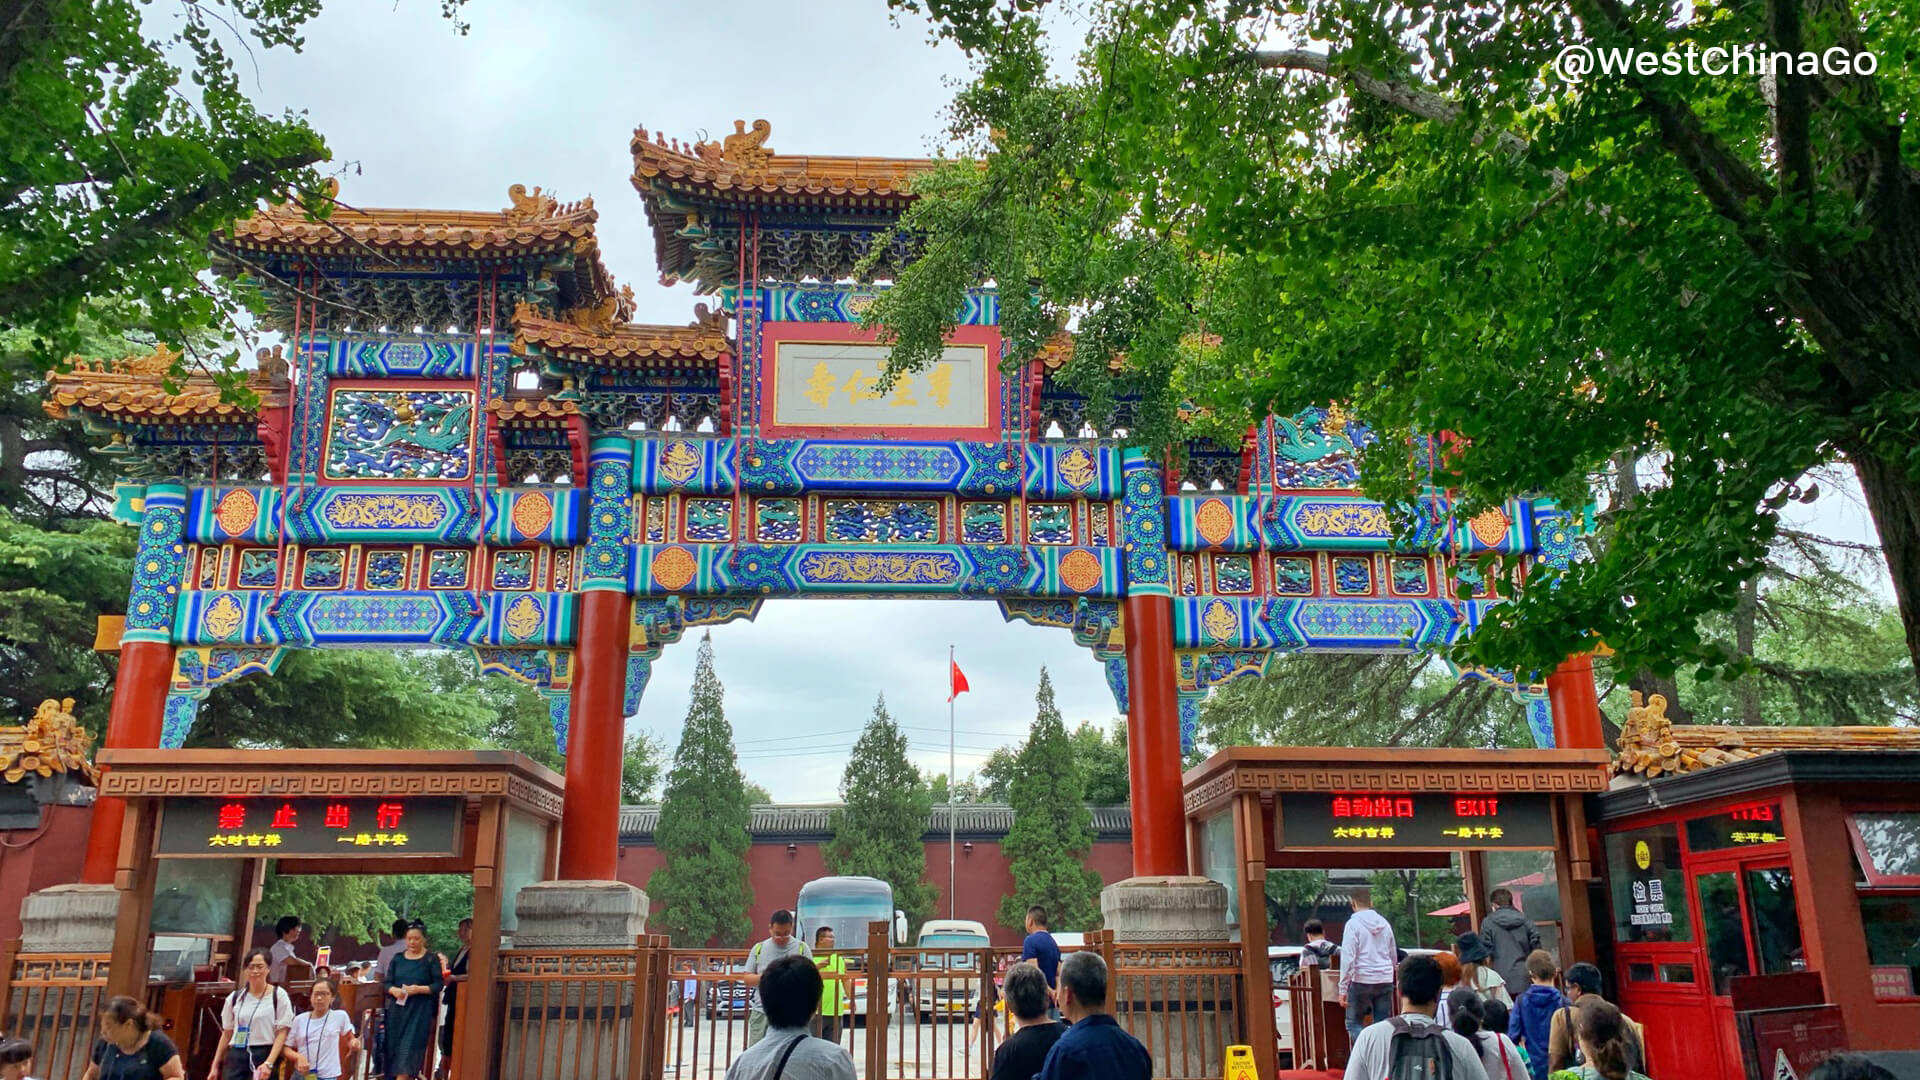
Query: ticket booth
[[493, 815], [1255, 808], [1750, 860]]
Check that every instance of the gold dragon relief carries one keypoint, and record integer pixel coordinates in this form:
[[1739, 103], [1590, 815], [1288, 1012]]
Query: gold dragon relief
[[1344, 519], [351, 511], [679, 461], [1077, 469], [862, 568]]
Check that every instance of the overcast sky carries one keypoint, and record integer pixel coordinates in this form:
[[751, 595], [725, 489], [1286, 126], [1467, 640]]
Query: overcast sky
[[548, 94]]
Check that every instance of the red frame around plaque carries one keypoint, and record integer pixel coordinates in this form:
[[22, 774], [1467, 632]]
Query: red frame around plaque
[[774, 334]]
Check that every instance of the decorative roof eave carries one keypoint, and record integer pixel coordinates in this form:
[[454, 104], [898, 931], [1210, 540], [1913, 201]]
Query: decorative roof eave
[[740, 164], [52, 742], [533, 225], [1650, 745], [533, 411], [593, 336], [133, 391]]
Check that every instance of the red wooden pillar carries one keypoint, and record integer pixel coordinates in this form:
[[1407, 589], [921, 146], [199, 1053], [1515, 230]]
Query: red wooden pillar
[[597, 716], [596, 733], [1153, 699], [134, 723], [1576, 708]]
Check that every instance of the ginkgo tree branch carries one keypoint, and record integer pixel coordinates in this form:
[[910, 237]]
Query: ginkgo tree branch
[[1411, 99]]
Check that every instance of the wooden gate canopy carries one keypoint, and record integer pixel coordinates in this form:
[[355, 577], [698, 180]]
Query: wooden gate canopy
[[327, 812]]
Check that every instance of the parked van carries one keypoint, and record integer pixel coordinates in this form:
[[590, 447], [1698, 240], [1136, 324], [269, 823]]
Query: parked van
[[847, 905], [949, 983]]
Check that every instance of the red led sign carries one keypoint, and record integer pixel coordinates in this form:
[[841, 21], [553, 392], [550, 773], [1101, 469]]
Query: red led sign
[[1402, 820], [312, 827]]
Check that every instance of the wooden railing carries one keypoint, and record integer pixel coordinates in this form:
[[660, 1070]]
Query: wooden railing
[[53, 1001]]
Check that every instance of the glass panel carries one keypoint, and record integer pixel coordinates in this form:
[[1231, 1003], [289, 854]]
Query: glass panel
[[1676, 973], [1742, 826], [1639, 972], [1720, 922], [1776, 924], [1648, 888], [196, 896], [1217, 857], [1892, 843], [1893, 943], [526, 857]]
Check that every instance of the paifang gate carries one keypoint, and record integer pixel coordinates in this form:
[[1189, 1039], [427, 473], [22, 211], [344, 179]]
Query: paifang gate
[[564, 492]]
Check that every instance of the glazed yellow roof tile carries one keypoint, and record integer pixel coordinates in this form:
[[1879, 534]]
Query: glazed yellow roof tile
[[593, 333], [742, 162], [52, 741], [532, 220], [1651, 745], [134, 387], [533, 408]]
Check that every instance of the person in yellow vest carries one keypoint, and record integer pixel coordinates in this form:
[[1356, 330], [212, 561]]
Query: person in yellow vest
[[826, 1024]]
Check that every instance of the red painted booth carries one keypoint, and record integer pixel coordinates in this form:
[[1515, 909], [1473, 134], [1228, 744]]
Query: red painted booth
[[1735, 852]]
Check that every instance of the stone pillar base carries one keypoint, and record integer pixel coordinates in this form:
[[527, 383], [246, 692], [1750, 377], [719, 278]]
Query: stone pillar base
[[582, 1023], [69, 919], [579, 915], [1165, 909], [1187, 1021]]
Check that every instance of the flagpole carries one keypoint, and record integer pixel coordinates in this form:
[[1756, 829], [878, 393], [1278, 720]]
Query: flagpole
[[951, 694]]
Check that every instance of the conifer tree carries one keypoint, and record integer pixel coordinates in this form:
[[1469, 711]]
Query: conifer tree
[[702, 833], [884, 803], [1052, 829]]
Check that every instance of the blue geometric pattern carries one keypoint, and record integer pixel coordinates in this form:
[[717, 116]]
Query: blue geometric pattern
[[609, 517], [419, 358], [1144, 524], [816, 303], [159, 565]]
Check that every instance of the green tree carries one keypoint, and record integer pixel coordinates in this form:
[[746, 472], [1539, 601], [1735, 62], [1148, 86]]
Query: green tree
[[967, 790], [1421, 219], [351, 905], [127, 147], [640, 766], [53, 582], [757, 795], [702, 833], [1290, 892], [1101, 757], [439, 900], [50, 473], [884, 802], [1403, 898], [359, 699], [1052, 831]]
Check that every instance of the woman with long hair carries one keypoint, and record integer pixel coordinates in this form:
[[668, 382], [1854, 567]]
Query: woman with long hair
[[413, 982], [254, 1022], [130, 1048], [1606, 1044], [1468, 1017], [1475, 975]]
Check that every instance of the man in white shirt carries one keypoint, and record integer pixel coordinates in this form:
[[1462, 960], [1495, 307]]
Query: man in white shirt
[[1368, 954], [288, 932], [1415, 1030]]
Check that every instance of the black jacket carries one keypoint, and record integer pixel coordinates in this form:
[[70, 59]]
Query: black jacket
[[1512, 936]]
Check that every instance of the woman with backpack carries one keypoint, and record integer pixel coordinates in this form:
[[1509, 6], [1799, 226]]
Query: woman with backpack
[[1497, 1052], [254, 1023], [1605, 1044], [1476, 972]]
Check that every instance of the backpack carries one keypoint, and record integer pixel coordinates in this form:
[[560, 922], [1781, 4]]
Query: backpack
[[1418, 1051]]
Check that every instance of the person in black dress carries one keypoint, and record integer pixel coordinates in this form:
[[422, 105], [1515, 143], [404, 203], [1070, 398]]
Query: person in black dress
[[452, 996], [131, 1049], [413, 989]]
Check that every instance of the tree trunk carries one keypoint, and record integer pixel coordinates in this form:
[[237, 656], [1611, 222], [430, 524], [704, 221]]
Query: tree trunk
[[1746, 614], [1650, 684], [1894, 500]]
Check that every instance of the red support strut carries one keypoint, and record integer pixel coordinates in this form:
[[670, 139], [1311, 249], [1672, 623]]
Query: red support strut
[[1153, 740], [1576, 708], [596, 736], [134, 722]]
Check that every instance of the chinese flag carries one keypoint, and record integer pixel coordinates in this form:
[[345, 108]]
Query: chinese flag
[[958, 682]]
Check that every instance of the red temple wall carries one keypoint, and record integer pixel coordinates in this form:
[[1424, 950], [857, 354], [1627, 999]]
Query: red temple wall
[[34, 859]]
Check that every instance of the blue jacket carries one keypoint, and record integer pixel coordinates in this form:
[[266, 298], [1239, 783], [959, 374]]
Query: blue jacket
[[1531, 1020], [1097, 1048]]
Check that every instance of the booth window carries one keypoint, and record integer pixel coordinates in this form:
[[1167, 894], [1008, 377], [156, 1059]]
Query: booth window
[[1648, 885], [1886, 852]]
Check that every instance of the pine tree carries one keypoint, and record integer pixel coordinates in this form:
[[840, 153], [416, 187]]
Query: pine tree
[[702, 834], [882, 816], [1052, 829]]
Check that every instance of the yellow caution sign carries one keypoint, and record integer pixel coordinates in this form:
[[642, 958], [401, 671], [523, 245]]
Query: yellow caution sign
[[1239, 1064]]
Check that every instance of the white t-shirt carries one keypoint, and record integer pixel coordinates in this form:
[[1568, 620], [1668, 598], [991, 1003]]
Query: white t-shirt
[[318, 1040], [253, 1020], [281, 952], [1500, 1056], [1370, 1055]]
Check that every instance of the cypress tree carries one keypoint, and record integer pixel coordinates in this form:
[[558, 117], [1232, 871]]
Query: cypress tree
[[884, 803], [702, 834], [1052, 831]]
